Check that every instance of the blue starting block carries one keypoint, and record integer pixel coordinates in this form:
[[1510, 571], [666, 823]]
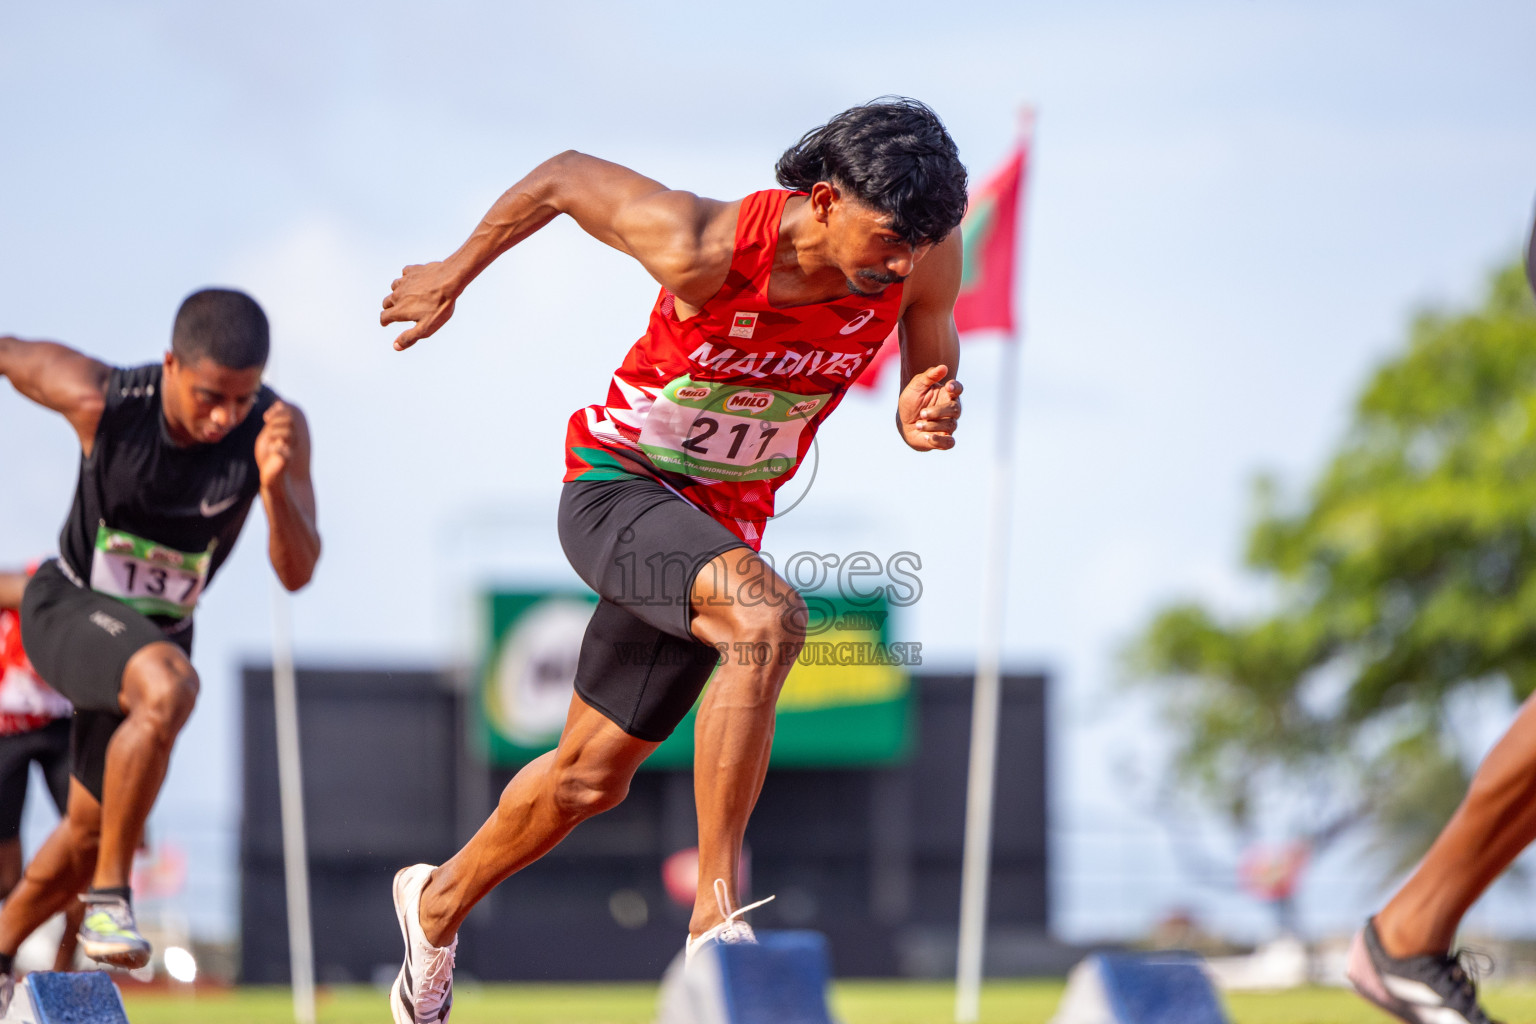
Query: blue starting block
[[58, 997], [781, 980], [1123, 988]]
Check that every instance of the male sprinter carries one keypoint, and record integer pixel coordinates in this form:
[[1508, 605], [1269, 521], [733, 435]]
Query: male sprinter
[[172, 456], [34, 728], [1402, 960], [769, 307]]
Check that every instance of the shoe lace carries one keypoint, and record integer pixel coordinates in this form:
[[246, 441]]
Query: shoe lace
[[437, 970], [733, 930], [1467, 967]]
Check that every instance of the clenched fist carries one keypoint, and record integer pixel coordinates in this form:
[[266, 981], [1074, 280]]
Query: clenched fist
[[275, 443], [929, 410]]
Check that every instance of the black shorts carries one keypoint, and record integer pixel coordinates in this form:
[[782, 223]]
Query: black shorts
[[79, 642], [49, 747], [640, 546]]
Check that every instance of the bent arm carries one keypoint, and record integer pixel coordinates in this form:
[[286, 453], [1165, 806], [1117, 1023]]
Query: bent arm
[[677, 236], [58, 378], [928, 409], [293, 541], [928, 335], [636, 215]]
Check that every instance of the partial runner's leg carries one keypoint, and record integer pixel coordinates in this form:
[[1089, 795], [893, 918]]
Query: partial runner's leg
[[132, 689], [15, 758], [588, 773], [69, 943], [742, 607], [57, 874], [54, 760], [1495, 822], [10, 865], [158, 693]]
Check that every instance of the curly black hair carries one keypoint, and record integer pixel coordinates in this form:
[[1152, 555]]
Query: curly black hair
[[892, 154]]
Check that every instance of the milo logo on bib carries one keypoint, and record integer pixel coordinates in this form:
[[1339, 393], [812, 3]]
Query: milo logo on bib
[[749, 402], [726, 432], [148, 577]]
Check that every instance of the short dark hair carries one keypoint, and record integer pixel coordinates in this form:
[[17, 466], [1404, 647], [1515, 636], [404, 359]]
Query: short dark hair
[[221, 324], [892, 154]]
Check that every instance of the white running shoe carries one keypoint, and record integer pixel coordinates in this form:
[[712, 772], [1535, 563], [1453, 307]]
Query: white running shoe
[[423, 991], [728, 932]]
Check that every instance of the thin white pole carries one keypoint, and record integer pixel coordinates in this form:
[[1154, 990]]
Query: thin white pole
[[290, 783], [986, 698]]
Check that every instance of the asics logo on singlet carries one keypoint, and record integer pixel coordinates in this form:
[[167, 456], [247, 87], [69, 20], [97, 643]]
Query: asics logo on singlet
[[213, 508], [858, 321]]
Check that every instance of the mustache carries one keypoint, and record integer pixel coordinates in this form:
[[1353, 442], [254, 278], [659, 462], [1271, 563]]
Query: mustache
[[872, 275]]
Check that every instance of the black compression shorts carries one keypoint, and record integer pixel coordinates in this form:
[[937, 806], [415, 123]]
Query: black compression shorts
[[80, 642], [48, 745], [640, 546]]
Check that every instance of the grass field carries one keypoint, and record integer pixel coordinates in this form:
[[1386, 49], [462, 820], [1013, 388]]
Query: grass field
[[854, 1002]]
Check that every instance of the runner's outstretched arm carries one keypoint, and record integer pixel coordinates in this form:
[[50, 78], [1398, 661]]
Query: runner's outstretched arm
[[928, 409], [288, 494], [58, 378], [680, 238]]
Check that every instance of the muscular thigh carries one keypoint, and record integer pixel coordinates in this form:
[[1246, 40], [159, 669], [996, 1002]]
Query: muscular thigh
[[643, 679], [739, 596], [641, 548], [81, 641], [89, 736]]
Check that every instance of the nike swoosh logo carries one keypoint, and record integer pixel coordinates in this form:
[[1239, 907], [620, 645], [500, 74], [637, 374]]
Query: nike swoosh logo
[[219, 506], [858, 321]]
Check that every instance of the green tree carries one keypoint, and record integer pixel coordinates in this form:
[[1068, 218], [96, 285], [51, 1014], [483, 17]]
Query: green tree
[[1406, 575]]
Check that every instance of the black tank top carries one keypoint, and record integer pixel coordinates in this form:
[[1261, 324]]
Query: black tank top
[[152, 520]]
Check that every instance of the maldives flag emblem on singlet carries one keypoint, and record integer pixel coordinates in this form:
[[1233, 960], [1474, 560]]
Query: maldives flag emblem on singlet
[[742, 325]]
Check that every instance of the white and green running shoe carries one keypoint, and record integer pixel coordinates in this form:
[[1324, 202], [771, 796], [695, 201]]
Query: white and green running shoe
[[109, 935]]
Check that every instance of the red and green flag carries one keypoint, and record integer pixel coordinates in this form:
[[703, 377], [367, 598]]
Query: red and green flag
[[989, 239]]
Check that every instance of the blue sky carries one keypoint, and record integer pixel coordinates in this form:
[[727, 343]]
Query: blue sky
[[1236, 206]]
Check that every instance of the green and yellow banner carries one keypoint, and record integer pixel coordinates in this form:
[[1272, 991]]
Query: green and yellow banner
[[846, 701]]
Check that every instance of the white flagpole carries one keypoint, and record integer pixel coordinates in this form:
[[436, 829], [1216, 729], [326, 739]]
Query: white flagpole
[[976, 865], [290, 782], [290, 793]]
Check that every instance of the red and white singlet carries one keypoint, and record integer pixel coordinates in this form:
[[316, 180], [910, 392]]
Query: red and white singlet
[[26, 702], [722, 407]]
